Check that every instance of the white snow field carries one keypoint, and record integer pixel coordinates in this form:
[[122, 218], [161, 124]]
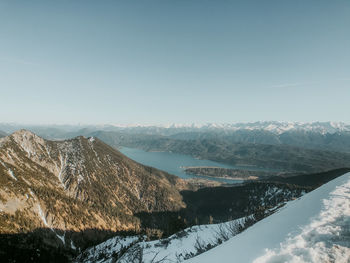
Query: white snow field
[[314, 228]]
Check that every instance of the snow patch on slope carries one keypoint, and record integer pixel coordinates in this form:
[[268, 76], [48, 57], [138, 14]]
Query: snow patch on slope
[[61, 237], [72, 245], [12, 174], [63, 164], [42, 216]]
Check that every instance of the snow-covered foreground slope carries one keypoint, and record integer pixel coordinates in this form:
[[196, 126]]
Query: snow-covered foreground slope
[[176, 248], [314, 228]]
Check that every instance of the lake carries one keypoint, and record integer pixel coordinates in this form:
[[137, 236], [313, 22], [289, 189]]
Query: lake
[[173, 163]]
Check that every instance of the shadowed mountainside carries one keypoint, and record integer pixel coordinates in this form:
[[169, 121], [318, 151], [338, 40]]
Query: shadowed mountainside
[[40, 245]]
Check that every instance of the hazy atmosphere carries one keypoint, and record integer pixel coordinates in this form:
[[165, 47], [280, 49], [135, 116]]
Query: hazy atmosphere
[[156, 62], [170, 131]]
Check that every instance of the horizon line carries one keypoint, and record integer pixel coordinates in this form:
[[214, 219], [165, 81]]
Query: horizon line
[[170, 124]]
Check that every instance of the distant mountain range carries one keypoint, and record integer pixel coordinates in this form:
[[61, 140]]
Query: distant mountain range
[[272, 126], [275, 127], [333, 136]]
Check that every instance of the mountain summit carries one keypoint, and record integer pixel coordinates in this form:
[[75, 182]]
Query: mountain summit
[[75, 185]]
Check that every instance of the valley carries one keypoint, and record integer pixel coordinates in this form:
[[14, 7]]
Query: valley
[[176, 164]]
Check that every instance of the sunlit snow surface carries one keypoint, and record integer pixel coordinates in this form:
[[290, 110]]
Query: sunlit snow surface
[[315, 228]]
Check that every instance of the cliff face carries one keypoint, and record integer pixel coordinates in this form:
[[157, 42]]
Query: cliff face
[[77, 184]]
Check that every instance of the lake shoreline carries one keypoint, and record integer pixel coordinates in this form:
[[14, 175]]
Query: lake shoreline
[[173, 163]]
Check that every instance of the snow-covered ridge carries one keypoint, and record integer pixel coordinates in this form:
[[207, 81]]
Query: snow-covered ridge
[[176, 248], [314, 228]]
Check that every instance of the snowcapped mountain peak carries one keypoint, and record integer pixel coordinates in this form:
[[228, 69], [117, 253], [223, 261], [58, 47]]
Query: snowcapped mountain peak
[[277, 127]]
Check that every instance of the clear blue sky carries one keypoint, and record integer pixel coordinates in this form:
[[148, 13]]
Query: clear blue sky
[[179, 61]]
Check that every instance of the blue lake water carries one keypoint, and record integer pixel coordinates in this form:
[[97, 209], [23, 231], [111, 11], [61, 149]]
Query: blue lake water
[[173, 163]]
